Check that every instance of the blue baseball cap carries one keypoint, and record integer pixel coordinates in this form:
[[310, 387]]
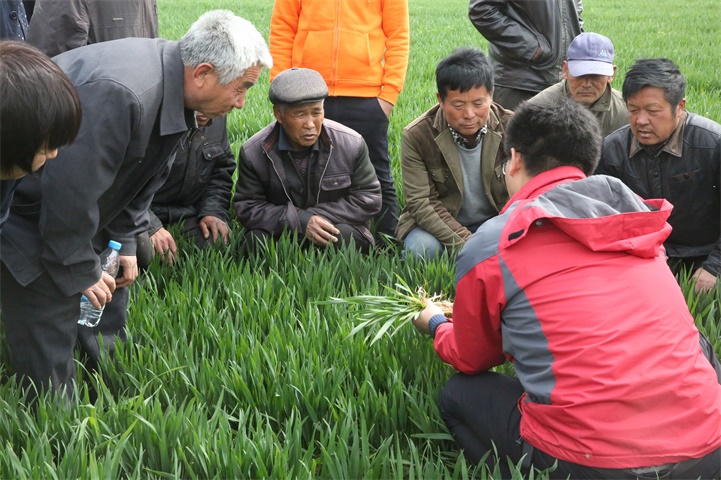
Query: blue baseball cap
[[590, 54]]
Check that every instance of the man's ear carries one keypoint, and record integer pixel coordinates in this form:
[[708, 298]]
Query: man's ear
[[278, 114], [681, 106], [564, 70], [201, 73], [514, 163], [610, 78]]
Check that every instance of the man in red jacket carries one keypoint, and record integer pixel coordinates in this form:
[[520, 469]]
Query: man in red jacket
[[570, 283]]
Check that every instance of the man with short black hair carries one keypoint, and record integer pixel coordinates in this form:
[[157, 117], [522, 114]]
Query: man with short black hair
[[451, 158], [587, 74], [570, 284], [668, 152], [306, 174]]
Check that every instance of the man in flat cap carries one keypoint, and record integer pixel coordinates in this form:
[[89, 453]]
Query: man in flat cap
[[305, 174], [587, 74]]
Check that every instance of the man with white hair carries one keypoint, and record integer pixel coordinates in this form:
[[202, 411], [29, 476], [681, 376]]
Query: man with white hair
[[139, 97]]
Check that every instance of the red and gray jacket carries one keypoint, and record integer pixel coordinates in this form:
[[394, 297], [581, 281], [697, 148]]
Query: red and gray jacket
[[570, 284]]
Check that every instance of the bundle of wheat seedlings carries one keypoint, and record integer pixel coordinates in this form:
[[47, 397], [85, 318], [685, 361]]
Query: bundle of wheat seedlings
[[400, 306]]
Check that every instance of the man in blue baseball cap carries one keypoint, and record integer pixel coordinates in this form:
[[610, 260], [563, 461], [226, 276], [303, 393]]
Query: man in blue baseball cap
[[587, 74]]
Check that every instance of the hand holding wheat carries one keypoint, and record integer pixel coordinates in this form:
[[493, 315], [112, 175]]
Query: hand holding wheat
[[401, 305]]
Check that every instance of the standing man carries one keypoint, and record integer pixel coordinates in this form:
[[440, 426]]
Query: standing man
[[305, 174], [197, 191], [526, 42], [667, 152], [100, 187], [587, 74], [361, 49], [452, 157], [570, 283], [61, 25]]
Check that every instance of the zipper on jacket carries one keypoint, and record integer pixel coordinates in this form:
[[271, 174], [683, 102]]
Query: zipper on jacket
[[320, 180], [278, 175]]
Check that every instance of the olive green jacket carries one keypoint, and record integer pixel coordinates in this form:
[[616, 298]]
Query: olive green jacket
[[610, 109], [433, 179]]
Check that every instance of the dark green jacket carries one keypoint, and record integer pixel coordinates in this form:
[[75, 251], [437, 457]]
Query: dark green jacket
[[610, 109]]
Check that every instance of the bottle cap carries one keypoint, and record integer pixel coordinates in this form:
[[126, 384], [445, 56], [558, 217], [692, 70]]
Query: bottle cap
[[114, 245]]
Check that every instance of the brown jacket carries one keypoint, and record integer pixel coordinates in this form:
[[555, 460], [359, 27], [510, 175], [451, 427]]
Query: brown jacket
[[433, 179]]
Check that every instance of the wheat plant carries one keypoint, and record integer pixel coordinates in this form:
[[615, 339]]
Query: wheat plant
[[389, 313]]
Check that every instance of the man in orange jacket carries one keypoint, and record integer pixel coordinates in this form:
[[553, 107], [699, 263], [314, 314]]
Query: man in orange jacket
[[361, 49]]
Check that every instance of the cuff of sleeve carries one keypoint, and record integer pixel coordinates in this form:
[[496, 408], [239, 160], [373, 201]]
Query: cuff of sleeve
[[433, 323], [304, 217], [711, 267], [389, 94]]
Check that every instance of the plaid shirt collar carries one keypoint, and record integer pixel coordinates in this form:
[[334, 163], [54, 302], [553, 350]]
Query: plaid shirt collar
[[461, 142]]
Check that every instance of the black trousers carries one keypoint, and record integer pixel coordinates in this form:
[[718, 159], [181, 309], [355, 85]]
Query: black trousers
[[365, 116], [510, 98], [482, 408], [40, 326]]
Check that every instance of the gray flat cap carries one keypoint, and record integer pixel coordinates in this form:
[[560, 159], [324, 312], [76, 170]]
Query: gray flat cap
[[297, 85]]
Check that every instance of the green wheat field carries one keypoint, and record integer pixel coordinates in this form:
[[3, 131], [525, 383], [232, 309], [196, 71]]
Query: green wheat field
[[233, 370]]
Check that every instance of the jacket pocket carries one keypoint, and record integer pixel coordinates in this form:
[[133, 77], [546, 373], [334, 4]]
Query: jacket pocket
[[441, 177], [335, 182], [207, 166], [315, 52]]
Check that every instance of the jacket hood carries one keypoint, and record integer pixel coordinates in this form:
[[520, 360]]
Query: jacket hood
[[599, 211]]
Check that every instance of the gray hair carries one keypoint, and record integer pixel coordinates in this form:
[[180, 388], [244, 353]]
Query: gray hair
[[228, 42]]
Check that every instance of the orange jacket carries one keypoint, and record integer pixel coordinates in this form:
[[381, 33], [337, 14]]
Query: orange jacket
[[359, 46]]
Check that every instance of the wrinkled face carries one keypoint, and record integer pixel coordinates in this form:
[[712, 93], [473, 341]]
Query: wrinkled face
[[215, 100], [301, 123], [42, 156], [467, 112], [586, 89], [651, 116]]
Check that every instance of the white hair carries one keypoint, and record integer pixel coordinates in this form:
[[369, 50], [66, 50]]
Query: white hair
[[228, 42]]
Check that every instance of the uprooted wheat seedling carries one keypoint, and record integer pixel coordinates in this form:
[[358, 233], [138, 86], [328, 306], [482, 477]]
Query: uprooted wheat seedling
[[389, 312]]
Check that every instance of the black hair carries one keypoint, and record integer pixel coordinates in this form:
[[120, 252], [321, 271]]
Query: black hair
[[464, 69], [39, 107], [655, 72], [554, 134]]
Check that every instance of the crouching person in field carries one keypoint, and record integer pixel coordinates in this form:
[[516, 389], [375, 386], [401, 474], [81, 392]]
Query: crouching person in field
[[305, 174], [570, 283], [196, 194]]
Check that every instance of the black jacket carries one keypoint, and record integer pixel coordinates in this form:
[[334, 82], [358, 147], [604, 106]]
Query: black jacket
[[687, 173], [200, 180], [515, 29], [343, 186]]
